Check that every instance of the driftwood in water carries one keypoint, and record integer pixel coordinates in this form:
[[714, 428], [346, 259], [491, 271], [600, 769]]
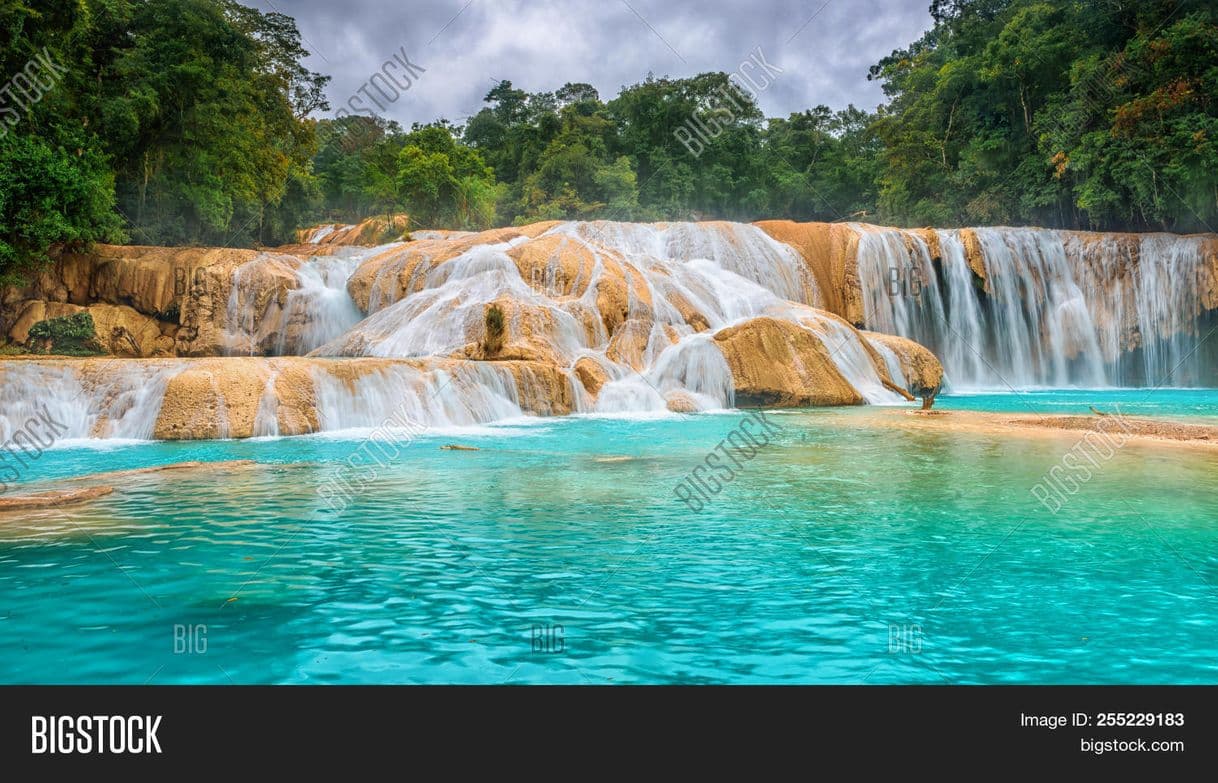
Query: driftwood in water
[[892, 387]]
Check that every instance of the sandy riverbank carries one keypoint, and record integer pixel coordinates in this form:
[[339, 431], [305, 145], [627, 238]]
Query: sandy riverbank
[[1148, 431]]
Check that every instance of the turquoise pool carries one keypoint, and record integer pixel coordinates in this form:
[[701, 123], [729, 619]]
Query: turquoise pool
[[559, 553], [1174, 403]]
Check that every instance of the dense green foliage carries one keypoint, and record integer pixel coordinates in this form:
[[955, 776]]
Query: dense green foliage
[[193, 121], [55, 185], [70, 335], [168, 122], [1087, 114], [1099, 114], [443, 182], [201, 108], [567, 154]]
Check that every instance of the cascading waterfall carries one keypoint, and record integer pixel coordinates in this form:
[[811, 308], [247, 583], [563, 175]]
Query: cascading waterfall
[[408, 397], [266, 421], [319, 234], [1167, 298], [726, 272], [314, 311], [739, 248], [643, 307], [321, 305], [87, 399], [1049, 308], [242, 319]]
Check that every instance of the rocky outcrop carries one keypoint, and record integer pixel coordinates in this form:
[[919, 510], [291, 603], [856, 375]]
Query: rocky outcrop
[[681, 402], [154, 282], [223, 398], [922, 370], [529, 334], [1100, 433], [90, 487], [239, 309], [145, 301], [562, 267], [241, 397], [118, 330], [172, 467], [373, 231], [404, 269], [974, 256], [52, 498], [543, 389], [780, 364], [591, 375], [829, 249]]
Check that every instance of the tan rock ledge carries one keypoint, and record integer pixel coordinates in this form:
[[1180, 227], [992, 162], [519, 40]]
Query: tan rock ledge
[[1144, 430], [53, 498], [190, 465]]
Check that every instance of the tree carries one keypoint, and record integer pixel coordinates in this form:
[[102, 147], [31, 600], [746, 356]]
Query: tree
[[55, 184], [356, 166], [1064, 114], [200, 104], [442, 183]]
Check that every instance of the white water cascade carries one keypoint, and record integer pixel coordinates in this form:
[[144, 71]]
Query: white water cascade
[[83, 400], [465, 395], [636, 306], [1049, 308], [726, 273], [316, 310], [321, 304]]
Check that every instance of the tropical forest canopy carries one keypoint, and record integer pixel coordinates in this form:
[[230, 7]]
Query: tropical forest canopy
[[195, 122]]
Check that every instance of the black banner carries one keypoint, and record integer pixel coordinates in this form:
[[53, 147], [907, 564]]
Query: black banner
[[631, 728]]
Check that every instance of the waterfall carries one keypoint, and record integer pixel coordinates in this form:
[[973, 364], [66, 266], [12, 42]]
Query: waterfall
[[321, 305], [409, 397], [693, 366], [122, 399], [319, 234], [673, 275], [739, 248], [99, 398], [241, 319], [266, 421], [446, 314], [1167, 299], [403, 328], [1045, 308], [282, 306]]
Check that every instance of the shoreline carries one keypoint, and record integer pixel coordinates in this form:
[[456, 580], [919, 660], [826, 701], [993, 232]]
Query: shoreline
[[1143, 430]]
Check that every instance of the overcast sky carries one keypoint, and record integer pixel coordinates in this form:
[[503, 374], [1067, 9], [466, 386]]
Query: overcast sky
[[823, 48]]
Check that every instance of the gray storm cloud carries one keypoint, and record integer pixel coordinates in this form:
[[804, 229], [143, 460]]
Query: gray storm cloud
[[823, 48]]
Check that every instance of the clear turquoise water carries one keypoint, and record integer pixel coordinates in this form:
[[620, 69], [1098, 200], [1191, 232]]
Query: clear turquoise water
[[1174, 403], [833, 546]]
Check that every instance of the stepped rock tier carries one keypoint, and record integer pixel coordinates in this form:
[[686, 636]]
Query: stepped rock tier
[[455, 328]]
